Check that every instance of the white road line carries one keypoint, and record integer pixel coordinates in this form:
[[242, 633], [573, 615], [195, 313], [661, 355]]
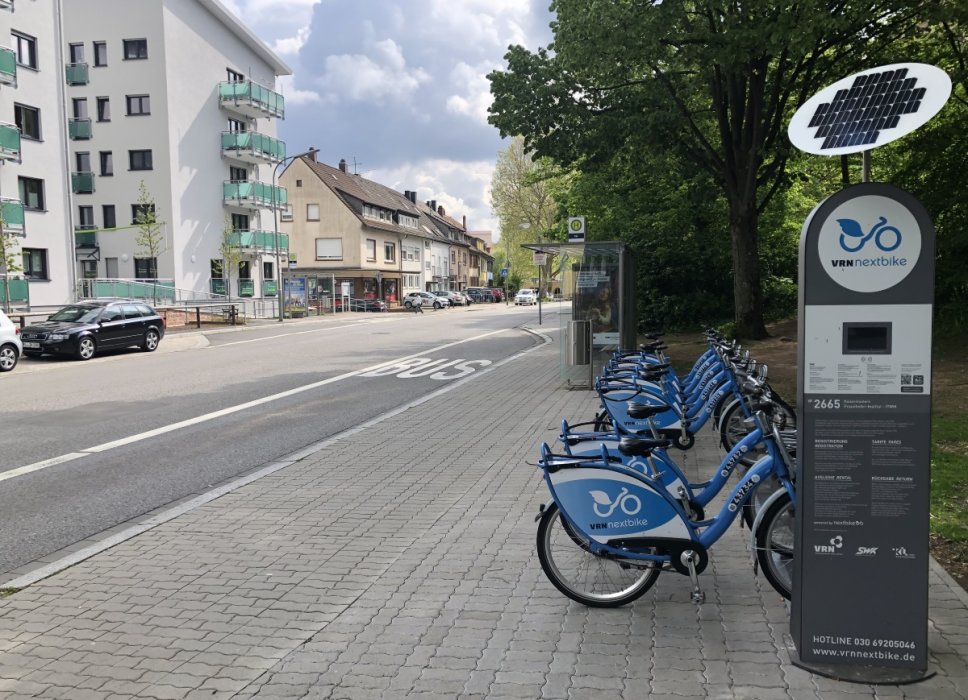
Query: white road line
[[44, 464]]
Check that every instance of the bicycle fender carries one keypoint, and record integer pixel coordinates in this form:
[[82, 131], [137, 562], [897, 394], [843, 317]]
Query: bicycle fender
[[723, 412], [542, 508]]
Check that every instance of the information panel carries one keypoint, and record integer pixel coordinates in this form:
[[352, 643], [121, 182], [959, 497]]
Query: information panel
[[864, 405]]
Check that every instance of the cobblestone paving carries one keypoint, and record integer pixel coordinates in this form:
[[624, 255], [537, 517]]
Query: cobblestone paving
[[399, 564]]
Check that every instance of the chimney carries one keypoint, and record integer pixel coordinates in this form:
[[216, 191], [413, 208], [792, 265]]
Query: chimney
[[432, 204], [464, 220], [406, 194], [342, 164], [413, 197], [312, 153], [440, 210]]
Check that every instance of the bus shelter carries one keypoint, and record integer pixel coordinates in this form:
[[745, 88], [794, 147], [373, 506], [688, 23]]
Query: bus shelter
[[602, 316]]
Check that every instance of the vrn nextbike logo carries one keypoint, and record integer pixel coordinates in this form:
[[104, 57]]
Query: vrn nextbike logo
[[836, 543], [885, 238]]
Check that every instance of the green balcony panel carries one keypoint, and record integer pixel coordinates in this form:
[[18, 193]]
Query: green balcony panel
[[77, 74], [12, 211], [82, 183], [258, 240], [79, 129], [246, 288], [85, 237], [257, 194], [251, 97], [8, 67], [9, 142], [253, 146], [218, 286]]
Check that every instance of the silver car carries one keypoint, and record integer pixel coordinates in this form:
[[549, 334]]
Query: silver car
[[10, 346]]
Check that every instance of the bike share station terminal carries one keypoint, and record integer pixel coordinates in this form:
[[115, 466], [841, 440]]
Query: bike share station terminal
[[603, 310], [860, 594]]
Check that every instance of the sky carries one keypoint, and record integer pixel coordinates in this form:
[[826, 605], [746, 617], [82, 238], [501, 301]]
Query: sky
[[398, 87]]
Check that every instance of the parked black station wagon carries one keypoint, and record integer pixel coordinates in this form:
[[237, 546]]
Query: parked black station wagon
[[86, 328]]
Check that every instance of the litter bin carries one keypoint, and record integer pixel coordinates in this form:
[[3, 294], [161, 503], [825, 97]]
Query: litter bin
[[580, 343]]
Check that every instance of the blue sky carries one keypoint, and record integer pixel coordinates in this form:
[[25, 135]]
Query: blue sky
[[397, 87]]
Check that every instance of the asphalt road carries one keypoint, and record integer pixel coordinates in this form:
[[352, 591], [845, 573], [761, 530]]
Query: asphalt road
[[88, 446]]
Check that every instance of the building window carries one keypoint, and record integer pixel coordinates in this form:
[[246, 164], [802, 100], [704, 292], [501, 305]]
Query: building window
[[31, 193], [139, 160], [238, 174], [234, 76], [408, 221], [141, 211], [100, 53], [237, 127], [25, 47], [138, 105], [240, 222], [103, 109], [329, 248], [370, 250], [28, 119], [135, 49], [286, 213], [389, 252], [108, 216], [107, 163], [146, 268], [35, 263], [267, 268], [76, 52], [312, 212], [85, 217], [298, 183], [83, 160], [80, 107]]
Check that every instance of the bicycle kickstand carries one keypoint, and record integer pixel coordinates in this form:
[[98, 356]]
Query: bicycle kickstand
[[689, 558]]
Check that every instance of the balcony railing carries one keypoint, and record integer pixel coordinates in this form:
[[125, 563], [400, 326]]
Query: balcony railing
[[260, 241], [246, 288], [79, 129], [77, 74], [85, 236], [251, 99], [82, 183], [8, 67], [253, 195], [9, 141], [252, 147], [12, 211]]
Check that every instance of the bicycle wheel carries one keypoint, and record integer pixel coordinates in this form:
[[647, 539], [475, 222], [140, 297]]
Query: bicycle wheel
[[600, 582], [774, 545], [732, 430], [759, 497]]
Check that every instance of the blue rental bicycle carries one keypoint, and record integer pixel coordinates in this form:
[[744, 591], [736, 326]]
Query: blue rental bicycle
[[610, 530]]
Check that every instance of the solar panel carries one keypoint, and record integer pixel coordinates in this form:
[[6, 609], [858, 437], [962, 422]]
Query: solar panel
[[870, 109]]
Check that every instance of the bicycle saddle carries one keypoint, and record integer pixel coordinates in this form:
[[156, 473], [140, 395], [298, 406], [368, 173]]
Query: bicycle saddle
[[640, 447], [640, 411]]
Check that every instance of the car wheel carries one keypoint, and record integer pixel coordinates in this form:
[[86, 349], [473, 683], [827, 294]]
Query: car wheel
[[436, 304], [407, 305], [8, 358], [151, 340], [86, 347]]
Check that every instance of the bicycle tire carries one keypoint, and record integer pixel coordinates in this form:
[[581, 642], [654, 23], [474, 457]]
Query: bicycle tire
[[732, 430], [590, 579], [603, 422], [774, 545], [761, 494]]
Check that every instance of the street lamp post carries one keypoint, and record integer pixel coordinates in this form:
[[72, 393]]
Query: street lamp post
[[275, 222]]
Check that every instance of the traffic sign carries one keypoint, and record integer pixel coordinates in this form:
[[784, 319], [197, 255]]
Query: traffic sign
[[576, 229]]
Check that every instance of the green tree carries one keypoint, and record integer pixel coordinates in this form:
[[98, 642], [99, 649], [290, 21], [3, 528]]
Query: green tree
[[150, 238], [10, 260], [710, 80], [231, 251]]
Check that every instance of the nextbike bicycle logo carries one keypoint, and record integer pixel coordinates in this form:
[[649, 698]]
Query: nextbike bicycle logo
[[629, 503], [869, 243], [853, 238]]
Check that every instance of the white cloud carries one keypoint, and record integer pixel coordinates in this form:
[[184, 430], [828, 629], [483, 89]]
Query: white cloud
[[379, 76]]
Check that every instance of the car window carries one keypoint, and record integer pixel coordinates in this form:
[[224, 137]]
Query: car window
[[83, 314], [145, 310], [131, 311], [112, 313]]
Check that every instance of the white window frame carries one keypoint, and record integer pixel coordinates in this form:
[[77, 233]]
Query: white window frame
[[329, 248]]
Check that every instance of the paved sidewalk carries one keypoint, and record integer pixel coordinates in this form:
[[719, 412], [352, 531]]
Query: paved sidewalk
[[394, 564]]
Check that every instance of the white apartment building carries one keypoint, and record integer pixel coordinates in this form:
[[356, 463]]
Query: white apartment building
[[175, 94]]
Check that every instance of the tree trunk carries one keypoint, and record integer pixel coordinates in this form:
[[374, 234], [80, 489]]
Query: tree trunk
[[747, 293]]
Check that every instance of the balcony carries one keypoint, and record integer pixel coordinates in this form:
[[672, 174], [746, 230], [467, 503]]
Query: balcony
[[251, 99], [82, 183], [12, 213], [252, 147], [8, 67], [258, 241], [85, 236], [79, 129], [77, 74], [253, 195], [9, 142]]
